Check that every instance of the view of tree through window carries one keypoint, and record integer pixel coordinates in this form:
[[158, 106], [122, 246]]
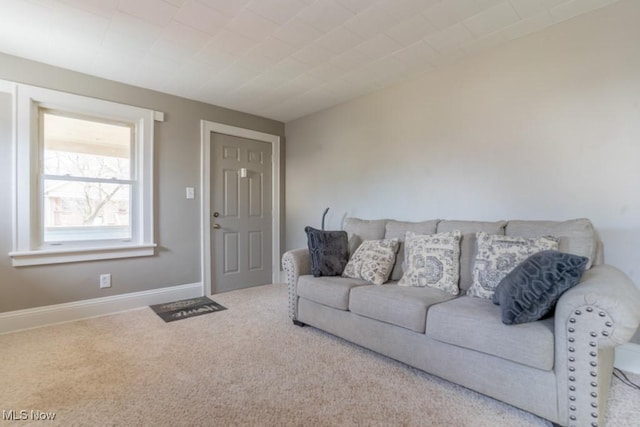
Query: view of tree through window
[[86, 178]]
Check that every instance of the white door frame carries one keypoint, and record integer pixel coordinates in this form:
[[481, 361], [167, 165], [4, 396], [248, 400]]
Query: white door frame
[[206, 127]]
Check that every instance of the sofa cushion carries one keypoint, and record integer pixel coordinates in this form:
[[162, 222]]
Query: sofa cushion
[[360, 230], [468, 243], [496, 256], [476, 324], [330, 290], [399, 305], [372, 261], [531, 290], [328, 250], [398, 230], [577, 236], [432, 260]]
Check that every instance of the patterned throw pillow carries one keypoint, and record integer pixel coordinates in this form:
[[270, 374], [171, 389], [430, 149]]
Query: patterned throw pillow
[[534, 287], [373, 261], [497, 255], [432, 260], [329, 251]]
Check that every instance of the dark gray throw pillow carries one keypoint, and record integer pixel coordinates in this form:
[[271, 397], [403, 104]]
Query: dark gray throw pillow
[[532, 289], [329, 251]]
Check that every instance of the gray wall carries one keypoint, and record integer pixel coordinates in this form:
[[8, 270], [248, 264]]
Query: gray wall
[[545, 127], [177, 165]]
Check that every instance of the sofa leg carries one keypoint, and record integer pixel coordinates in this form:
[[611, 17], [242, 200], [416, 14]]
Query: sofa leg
[[299, 323]]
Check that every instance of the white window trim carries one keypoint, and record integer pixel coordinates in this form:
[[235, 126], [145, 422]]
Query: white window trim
[[26, 245]]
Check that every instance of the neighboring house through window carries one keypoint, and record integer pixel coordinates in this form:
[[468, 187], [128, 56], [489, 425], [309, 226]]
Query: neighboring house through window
[[83, 178]]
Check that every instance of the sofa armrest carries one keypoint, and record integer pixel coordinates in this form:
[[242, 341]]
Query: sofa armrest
[[295, 263], [591, 319]]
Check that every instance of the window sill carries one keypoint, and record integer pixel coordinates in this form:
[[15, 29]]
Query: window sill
[[43, 257]]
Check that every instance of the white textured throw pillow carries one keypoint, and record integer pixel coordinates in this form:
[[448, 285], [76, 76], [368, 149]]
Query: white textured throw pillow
[[497, 255], [432, 260], [373, 261]]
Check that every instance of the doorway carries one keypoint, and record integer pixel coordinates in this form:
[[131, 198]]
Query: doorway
[[240, 208]]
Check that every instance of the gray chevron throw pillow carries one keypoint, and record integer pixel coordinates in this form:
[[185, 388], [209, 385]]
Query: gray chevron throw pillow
[[532, 289]]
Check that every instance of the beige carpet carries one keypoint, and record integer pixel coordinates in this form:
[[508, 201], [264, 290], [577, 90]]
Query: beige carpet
[[247, 365]]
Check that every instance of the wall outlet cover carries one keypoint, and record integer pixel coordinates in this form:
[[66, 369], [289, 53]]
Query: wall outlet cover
[[105, 281]]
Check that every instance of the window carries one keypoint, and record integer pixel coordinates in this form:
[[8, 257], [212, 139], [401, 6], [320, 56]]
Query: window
[[86, 178], [83, 179]]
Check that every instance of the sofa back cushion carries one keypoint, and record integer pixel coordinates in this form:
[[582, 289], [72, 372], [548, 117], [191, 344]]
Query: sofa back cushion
[[577, 236], [468, 243], [398, 230], [359, 230]]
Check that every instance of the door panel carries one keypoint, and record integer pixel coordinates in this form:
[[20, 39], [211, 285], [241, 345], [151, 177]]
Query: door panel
[[231, 189], [241, 246], [256, 190], [230, 252], [255, 251]]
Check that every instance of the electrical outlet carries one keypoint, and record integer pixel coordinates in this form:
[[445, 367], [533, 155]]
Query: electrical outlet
[[191, 192], [105, 281]]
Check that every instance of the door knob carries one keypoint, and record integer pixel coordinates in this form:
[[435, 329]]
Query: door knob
[[216, 226]]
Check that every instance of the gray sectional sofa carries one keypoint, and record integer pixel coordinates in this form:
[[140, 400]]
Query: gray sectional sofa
[[559, 368]]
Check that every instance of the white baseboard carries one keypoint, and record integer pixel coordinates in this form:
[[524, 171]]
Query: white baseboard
[[41, 316], [628, 358]]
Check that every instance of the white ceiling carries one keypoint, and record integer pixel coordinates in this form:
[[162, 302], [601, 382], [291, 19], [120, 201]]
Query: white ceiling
[[280, 59]]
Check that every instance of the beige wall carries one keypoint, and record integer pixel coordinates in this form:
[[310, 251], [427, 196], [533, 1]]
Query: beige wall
[[177, 165], [546, 127]]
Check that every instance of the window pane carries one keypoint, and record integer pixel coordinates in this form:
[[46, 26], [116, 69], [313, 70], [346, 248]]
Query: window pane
[[86, 211], [86, 148]]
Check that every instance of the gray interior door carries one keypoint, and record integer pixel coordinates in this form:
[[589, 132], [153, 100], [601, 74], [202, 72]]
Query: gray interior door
[[241, 208]]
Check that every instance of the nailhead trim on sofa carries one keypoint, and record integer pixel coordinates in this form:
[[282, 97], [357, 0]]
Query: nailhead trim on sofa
[[288, 267], [585, 411]]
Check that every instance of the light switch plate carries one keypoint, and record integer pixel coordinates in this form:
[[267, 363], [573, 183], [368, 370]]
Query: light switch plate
[[191, 193]]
